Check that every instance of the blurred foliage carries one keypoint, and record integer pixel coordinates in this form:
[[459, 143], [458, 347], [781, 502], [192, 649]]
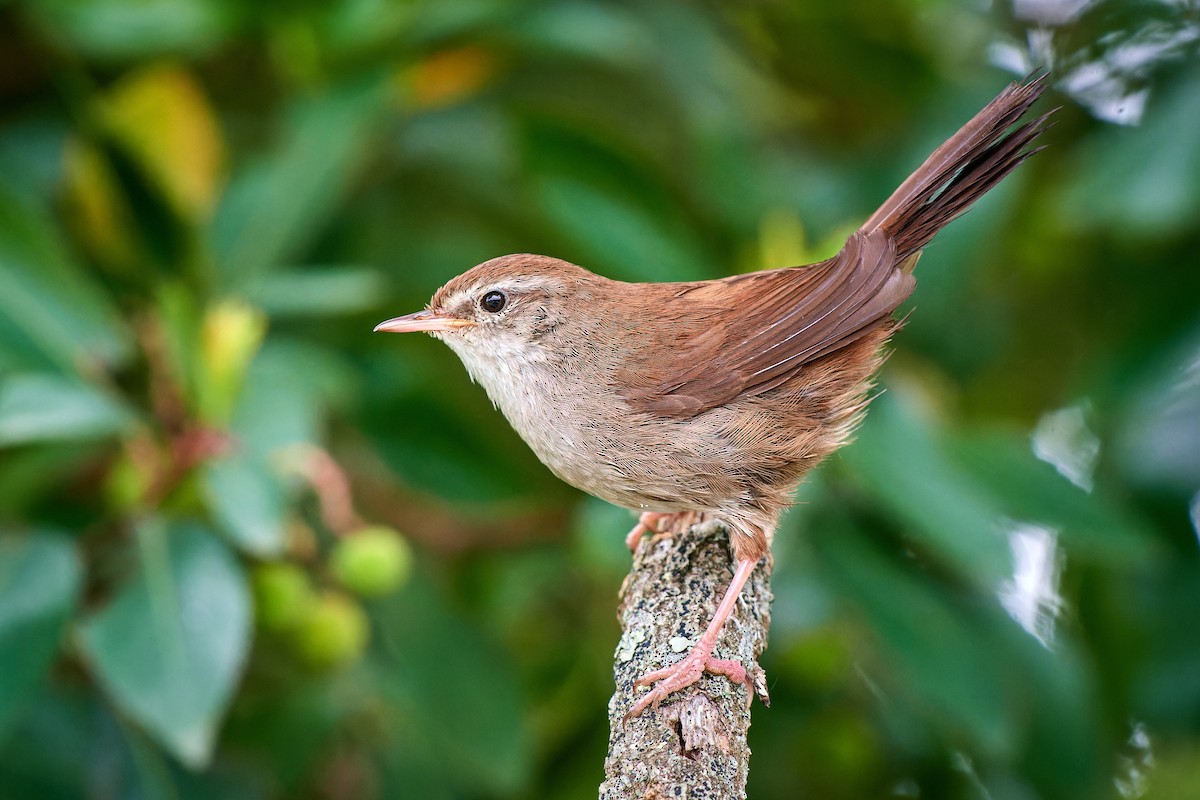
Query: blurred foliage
[[205, 457]]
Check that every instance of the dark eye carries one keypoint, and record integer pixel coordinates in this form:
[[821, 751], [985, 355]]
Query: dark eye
[[493, 301]]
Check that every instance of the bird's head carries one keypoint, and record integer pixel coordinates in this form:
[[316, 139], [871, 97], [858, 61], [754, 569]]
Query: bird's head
[[504, 312]]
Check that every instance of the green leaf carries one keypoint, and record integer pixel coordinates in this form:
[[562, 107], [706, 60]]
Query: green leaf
[[42, 407], [132, 28], [170, 647], [587, 30], [248, 501], [1031, 490], [285, 393], [904, 465], [181, 318], [320, 292], [50, 312], [276, 206], [617, 236], [31, 157], [458, 693], [280, 406], [949, 659], [40, 577], [30, 476], [1143, 180]]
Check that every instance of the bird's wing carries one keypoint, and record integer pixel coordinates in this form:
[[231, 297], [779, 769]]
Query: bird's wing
[[748, 334]]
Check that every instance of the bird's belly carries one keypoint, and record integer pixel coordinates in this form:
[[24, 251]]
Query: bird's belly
[[596, 444], [641, 468], [598, 463]]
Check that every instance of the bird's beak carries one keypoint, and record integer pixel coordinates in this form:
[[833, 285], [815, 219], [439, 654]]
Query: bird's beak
[[427, 320]]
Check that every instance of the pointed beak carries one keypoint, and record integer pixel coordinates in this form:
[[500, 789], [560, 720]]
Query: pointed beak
[[428, 320]]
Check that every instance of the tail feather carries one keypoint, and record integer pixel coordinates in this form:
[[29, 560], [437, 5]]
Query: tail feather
[[962, 170]]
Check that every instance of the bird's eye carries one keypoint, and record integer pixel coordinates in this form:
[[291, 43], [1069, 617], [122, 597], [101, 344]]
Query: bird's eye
[[493, 301]]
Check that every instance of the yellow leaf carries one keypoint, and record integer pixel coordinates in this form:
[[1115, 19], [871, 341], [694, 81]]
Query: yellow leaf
[[162, 117], [449, 76], [230, 337], [99, 214]]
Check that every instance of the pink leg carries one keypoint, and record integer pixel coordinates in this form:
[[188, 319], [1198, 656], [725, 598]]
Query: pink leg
[[699, 660], [648, 522]]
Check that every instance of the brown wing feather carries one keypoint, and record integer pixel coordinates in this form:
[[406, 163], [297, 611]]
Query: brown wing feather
[[748, 334], [777, 322]]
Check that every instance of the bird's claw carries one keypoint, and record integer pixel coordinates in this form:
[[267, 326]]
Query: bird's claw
[[687, 672], [662, 524], [648, 522]]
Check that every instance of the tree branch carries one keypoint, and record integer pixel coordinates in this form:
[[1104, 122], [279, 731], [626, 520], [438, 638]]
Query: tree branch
[[694, 745]]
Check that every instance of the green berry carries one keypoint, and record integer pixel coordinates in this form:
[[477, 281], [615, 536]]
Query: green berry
[[282, 595], [334, 633], [373, 561]]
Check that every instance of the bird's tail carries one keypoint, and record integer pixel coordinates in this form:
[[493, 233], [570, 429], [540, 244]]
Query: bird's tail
[[962, 170]]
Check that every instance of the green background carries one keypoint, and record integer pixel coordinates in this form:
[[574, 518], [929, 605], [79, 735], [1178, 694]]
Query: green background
[[205, 205]]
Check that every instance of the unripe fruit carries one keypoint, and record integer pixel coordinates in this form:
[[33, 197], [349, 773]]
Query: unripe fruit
[[374, 561], [283, 595], [334, 633]]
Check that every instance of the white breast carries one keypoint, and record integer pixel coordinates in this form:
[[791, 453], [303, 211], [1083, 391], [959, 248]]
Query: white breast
[[546, 412]]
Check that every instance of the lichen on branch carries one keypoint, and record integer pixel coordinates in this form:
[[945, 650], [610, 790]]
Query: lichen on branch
[[694, 744]]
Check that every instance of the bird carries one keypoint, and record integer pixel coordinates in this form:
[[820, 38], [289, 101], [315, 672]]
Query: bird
[[714, 396]]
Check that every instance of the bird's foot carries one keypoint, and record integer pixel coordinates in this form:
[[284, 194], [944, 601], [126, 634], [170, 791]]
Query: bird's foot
[[647, 523], [661, 524], [686, 672]]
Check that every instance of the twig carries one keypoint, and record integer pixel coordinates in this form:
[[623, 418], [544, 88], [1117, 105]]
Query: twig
[[694, 745]]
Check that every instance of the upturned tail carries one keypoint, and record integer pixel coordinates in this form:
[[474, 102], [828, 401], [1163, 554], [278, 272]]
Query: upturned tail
[[962, 170], [747, 335]]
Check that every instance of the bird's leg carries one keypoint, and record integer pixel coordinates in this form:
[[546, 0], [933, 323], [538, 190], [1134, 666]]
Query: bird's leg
[[648, 522], [699, 660], [662, 525]]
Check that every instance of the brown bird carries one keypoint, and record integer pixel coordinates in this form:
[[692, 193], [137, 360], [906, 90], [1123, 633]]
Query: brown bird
[[711, 396]]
